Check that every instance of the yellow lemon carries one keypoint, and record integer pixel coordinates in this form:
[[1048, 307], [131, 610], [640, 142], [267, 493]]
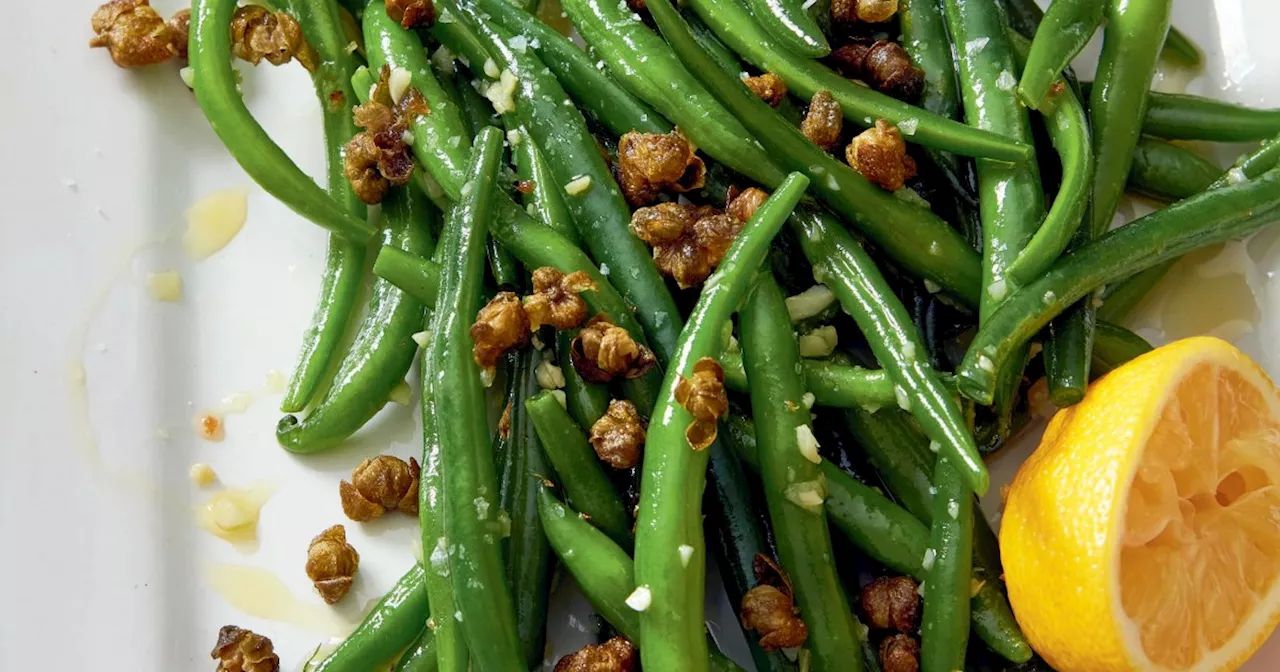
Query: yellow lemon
[[1144, 533]]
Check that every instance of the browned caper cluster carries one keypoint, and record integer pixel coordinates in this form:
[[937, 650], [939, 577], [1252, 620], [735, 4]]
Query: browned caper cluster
[[240, 650], [866, 11], [702, 394], [604, 350], [258, 33], [616, 655], [134, 33], [880, 155], [768, 87], [650, 163], [378, 485], [900, 653], [881, 64], [555, 299], [769, 608], [743, 204], [332, 563], [412, 14], [618, 436], [501, 325], [380, 156], [688, 240], [892, 603], [180, 24], [823, 121]]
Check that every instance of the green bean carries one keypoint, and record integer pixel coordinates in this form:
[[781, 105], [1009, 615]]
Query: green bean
[[386, 630], [723, 55], [412, 274], [599, 211], [441, 139], [344, 260], [671, 488], [1182, 49], [1131, 44], [523, 468], [583, 477], [1167, 172], [420, 656], [734, 25], [799, 525], [898, 452], [1211, 217], [919, 241], [944, 630], [543, 201], [1114, 346], [1066, 27], [255, 151], [834, 385], [1068, 126], [863, 292], [602, 570], [382, 350], [472, 530], [1185, 117], [736, 532], [791, 26], [450, 648]]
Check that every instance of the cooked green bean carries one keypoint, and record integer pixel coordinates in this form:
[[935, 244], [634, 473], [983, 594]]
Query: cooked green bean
[[834, 385], [219, 98], [1214, 216], [1177, 116], [783, 428], [382, 350], [344, 260], [1167, 172], [523, 467], [1068, 126], [421, 654], [671, 488], [386, 630], [920, 242], [472, 531], [414, 275], [450, 648], [543, 200], [790, 24], [585, 482], [1114, 346], [944, 623], [1182, 49], [1130, 48], [735, 26], [1064, 30]]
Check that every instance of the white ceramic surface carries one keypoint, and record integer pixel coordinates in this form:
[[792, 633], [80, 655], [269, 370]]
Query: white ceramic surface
[[104, 567]]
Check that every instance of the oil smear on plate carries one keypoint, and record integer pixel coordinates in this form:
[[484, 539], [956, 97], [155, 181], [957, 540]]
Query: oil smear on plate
[[209, 423], [213, 221], [260, 593], [231, 514]]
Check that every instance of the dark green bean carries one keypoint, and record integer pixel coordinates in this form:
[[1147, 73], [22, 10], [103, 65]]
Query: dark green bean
[[735, 26], [900, 454], [920, 242], [386, 630], [1114, 346], [344, 260], [1185, 117], [1064, 30], [585, 482], [793, 484], [791, 26], [1068, 126], [414, 275], [866, 295], [1211, 217], [1131, 45], [472, 530], [255, 151], [420, 656], [382, 350], [1167, 172], [599, 211], [944, 629], [672, 484], [522, 468]]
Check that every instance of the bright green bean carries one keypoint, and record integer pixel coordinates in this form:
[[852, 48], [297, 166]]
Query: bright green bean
[[1066, 27], [793, 28], [391, 625], [944, 624]]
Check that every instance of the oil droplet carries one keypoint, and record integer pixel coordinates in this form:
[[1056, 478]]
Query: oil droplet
[[232, 514], [202, 474], [214, 220], [165, 286], [261, 594]]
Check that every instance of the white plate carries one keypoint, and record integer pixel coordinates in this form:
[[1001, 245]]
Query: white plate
[[103, 563]]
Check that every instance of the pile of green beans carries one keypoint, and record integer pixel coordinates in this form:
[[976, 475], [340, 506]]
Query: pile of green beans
[[813, 321]]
